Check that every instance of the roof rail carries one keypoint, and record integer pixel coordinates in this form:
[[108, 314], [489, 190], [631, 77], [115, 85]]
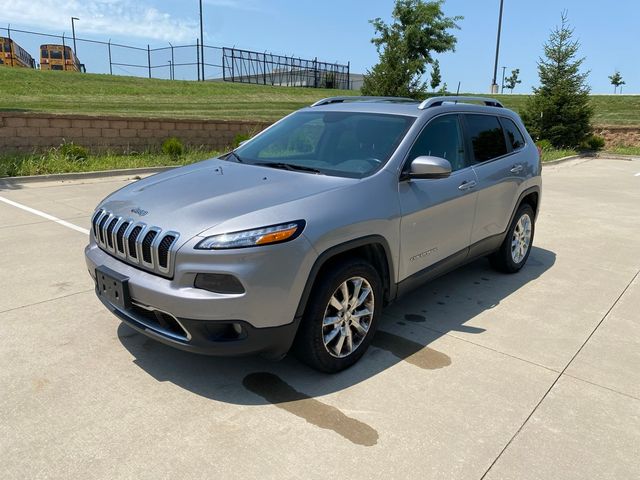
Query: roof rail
[[359, 98], [438, 101]]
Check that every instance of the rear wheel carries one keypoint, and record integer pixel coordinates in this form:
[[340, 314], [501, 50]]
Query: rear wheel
[[515, 248], [341, 317]]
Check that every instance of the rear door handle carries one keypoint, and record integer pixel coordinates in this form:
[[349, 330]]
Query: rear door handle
[[517, 168], [467, 185]]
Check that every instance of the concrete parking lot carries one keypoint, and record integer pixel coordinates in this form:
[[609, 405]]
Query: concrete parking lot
[[475, 375]]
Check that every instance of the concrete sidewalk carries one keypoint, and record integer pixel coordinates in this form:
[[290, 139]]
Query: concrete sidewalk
[[475, 375]]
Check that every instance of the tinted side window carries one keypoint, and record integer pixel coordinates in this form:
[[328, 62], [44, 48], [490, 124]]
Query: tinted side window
[[442, 137], [514, 136], [486, 137]]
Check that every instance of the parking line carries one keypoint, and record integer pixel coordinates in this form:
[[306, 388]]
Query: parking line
[[45, 215], [637, 174]]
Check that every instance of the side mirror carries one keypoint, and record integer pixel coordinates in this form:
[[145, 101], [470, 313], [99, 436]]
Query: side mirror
[[429, 167]]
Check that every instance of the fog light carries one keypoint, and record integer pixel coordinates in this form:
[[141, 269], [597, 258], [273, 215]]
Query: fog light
[[219, 283], [237, 328]]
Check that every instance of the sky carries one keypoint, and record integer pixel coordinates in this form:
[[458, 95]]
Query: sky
[[337, 31]]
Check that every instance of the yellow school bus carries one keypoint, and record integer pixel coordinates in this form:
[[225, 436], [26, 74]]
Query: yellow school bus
[[59, 57], [13, 55]]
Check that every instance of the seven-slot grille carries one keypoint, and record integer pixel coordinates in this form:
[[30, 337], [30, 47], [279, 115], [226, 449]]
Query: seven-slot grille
[[147, 247]]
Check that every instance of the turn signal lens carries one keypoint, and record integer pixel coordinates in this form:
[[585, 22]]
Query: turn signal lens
[[252, 238]]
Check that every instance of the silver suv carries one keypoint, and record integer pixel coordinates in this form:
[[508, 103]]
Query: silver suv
[[299, 237]]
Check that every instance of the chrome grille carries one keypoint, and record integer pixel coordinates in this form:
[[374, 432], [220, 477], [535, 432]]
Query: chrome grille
[[147, 247]]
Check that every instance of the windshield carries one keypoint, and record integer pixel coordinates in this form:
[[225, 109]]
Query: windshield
[[332, 143]]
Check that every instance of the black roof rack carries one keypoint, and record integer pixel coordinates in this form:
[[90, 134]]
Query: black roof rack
[[438, 101]]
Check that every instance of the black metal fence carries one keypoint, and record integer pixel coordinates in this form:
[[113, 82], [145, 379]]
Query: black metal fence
[[267, 69], [190, 62]]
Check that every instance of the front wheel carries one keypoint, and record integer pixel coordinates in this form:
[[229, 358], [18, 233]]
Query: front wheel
[[516, 247], [341, 317]]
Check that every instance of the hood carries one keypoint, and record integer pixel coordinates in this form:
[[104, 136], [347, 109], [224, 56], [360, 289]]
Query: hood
[[194, 198]]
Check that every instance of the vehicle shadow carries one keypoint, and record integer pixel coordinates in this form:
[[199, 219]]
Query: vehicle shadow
[[407, 329]]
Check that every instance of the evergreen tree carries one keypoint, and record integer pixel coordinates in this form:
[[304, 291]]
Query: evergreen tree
[[560, 110], [405, 47], [436, 77]]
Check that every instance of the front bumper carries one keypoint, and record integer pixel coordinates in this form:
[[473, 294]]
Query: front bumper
[[215, 337], [173, 311]]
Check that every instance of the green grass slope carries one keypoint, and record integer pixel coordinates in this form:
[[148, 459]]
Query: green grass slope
[[66, 92]]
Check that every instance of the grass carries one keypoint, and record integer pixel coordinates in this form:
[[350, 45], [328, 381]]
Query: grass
[[551, 154], [624, 150], [53, 161], [67, 92]]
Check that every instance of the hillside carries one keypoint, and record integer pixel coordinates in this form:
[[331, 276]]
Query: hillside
[[66, 92]]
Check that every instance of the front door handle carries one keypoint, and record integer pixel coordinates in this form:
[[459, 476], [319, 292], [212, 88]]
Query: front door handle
[[517, 168], [467, 185]]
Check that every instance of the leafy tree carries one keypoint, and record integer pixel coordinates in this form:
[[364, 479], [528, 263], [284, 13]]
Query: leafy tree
[[559, 110], [513, 80], [616, 81], [436, 77], [405, 47]]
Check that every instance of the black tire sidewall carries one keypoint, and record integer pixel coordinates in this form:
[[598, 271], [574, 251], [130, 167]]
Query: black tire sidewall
[[309, 346], [511, 265]]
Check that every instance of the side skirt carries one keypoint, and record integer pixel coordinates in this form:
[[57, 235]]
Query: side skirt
[[475, 251]]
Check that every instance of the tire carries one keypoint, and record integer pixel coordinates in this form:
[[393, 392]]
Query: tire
[[329, 323], [516, 247]]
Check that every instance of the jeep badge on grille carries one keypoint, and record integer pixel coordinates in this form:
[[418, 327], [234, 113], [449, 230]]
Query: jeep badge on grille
[[139, 211]]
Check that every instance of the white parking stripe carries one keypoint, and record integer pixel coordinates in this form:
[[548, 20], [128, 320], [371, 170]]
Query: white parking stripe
[[637, 174], [45, 215]]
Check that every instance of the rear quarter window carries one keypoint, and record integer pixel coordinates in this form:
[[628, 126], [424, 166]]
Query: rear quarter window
[[487, 137], [514, 135]]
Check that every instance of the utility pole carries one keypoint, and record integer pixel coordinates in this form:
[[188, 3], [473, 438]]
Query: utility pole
[[494, 85], [503, 70], [73, 31], [201, 41]]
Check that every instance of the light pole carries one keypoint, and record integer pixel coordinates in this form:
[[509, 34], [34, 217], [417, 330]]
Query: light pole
[[201, 41], [494, 85], [503, 70], [73, 31]]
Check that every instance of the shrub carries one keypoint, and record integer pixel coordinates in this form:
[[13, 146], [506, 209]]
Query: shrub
[[71, 151], [544, 145], [239, 138], [594, 142], [173, 147]]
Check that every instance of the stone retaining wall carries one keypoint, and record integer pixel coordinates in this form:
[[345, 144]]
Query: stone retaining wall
[[23, 132], [615, 136], [26, 132]]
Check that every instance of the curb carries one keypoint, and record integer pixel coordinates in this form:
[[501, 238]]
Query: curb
[[84, 175]]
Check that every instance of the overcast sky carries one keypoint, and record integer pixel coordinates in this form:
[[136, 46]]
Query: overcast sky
[[338, 30]]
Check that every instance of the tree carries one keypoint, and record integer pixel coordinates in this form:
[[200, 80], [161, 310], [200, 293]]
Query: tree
[[616, 81], [436, 77], [405, 47], [513, 80], [560, 111]]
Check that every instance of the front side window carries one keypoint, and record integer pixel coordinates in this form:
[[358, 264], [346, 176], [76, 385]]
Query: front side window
[[349, 144], [487, 137], [442, 137], [514, 136]]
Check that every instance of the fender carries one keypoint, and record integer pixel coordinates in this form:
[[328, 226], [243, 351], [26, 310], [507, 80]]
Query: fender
[[388, 282]]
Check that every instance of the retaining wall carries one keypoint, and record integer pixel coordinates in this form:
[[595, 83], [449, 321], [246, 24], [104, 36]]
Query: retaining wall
[[35, 132]]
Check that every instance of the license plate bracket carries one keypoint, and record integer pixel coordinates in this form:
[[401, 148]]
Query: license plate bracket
[[113, 287]]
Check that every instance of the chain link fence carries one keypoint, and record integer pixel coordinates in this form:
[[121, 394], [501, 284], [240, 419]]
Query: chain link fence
[[190, 62]]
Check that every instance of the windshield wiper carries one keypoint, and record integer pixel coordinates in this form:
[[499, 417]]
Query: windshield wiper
[[234, 154], [289, 166]]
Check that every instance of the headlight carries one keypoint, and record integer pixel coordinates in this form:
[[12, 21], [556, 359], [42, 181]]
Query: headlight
[[253, 238]]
